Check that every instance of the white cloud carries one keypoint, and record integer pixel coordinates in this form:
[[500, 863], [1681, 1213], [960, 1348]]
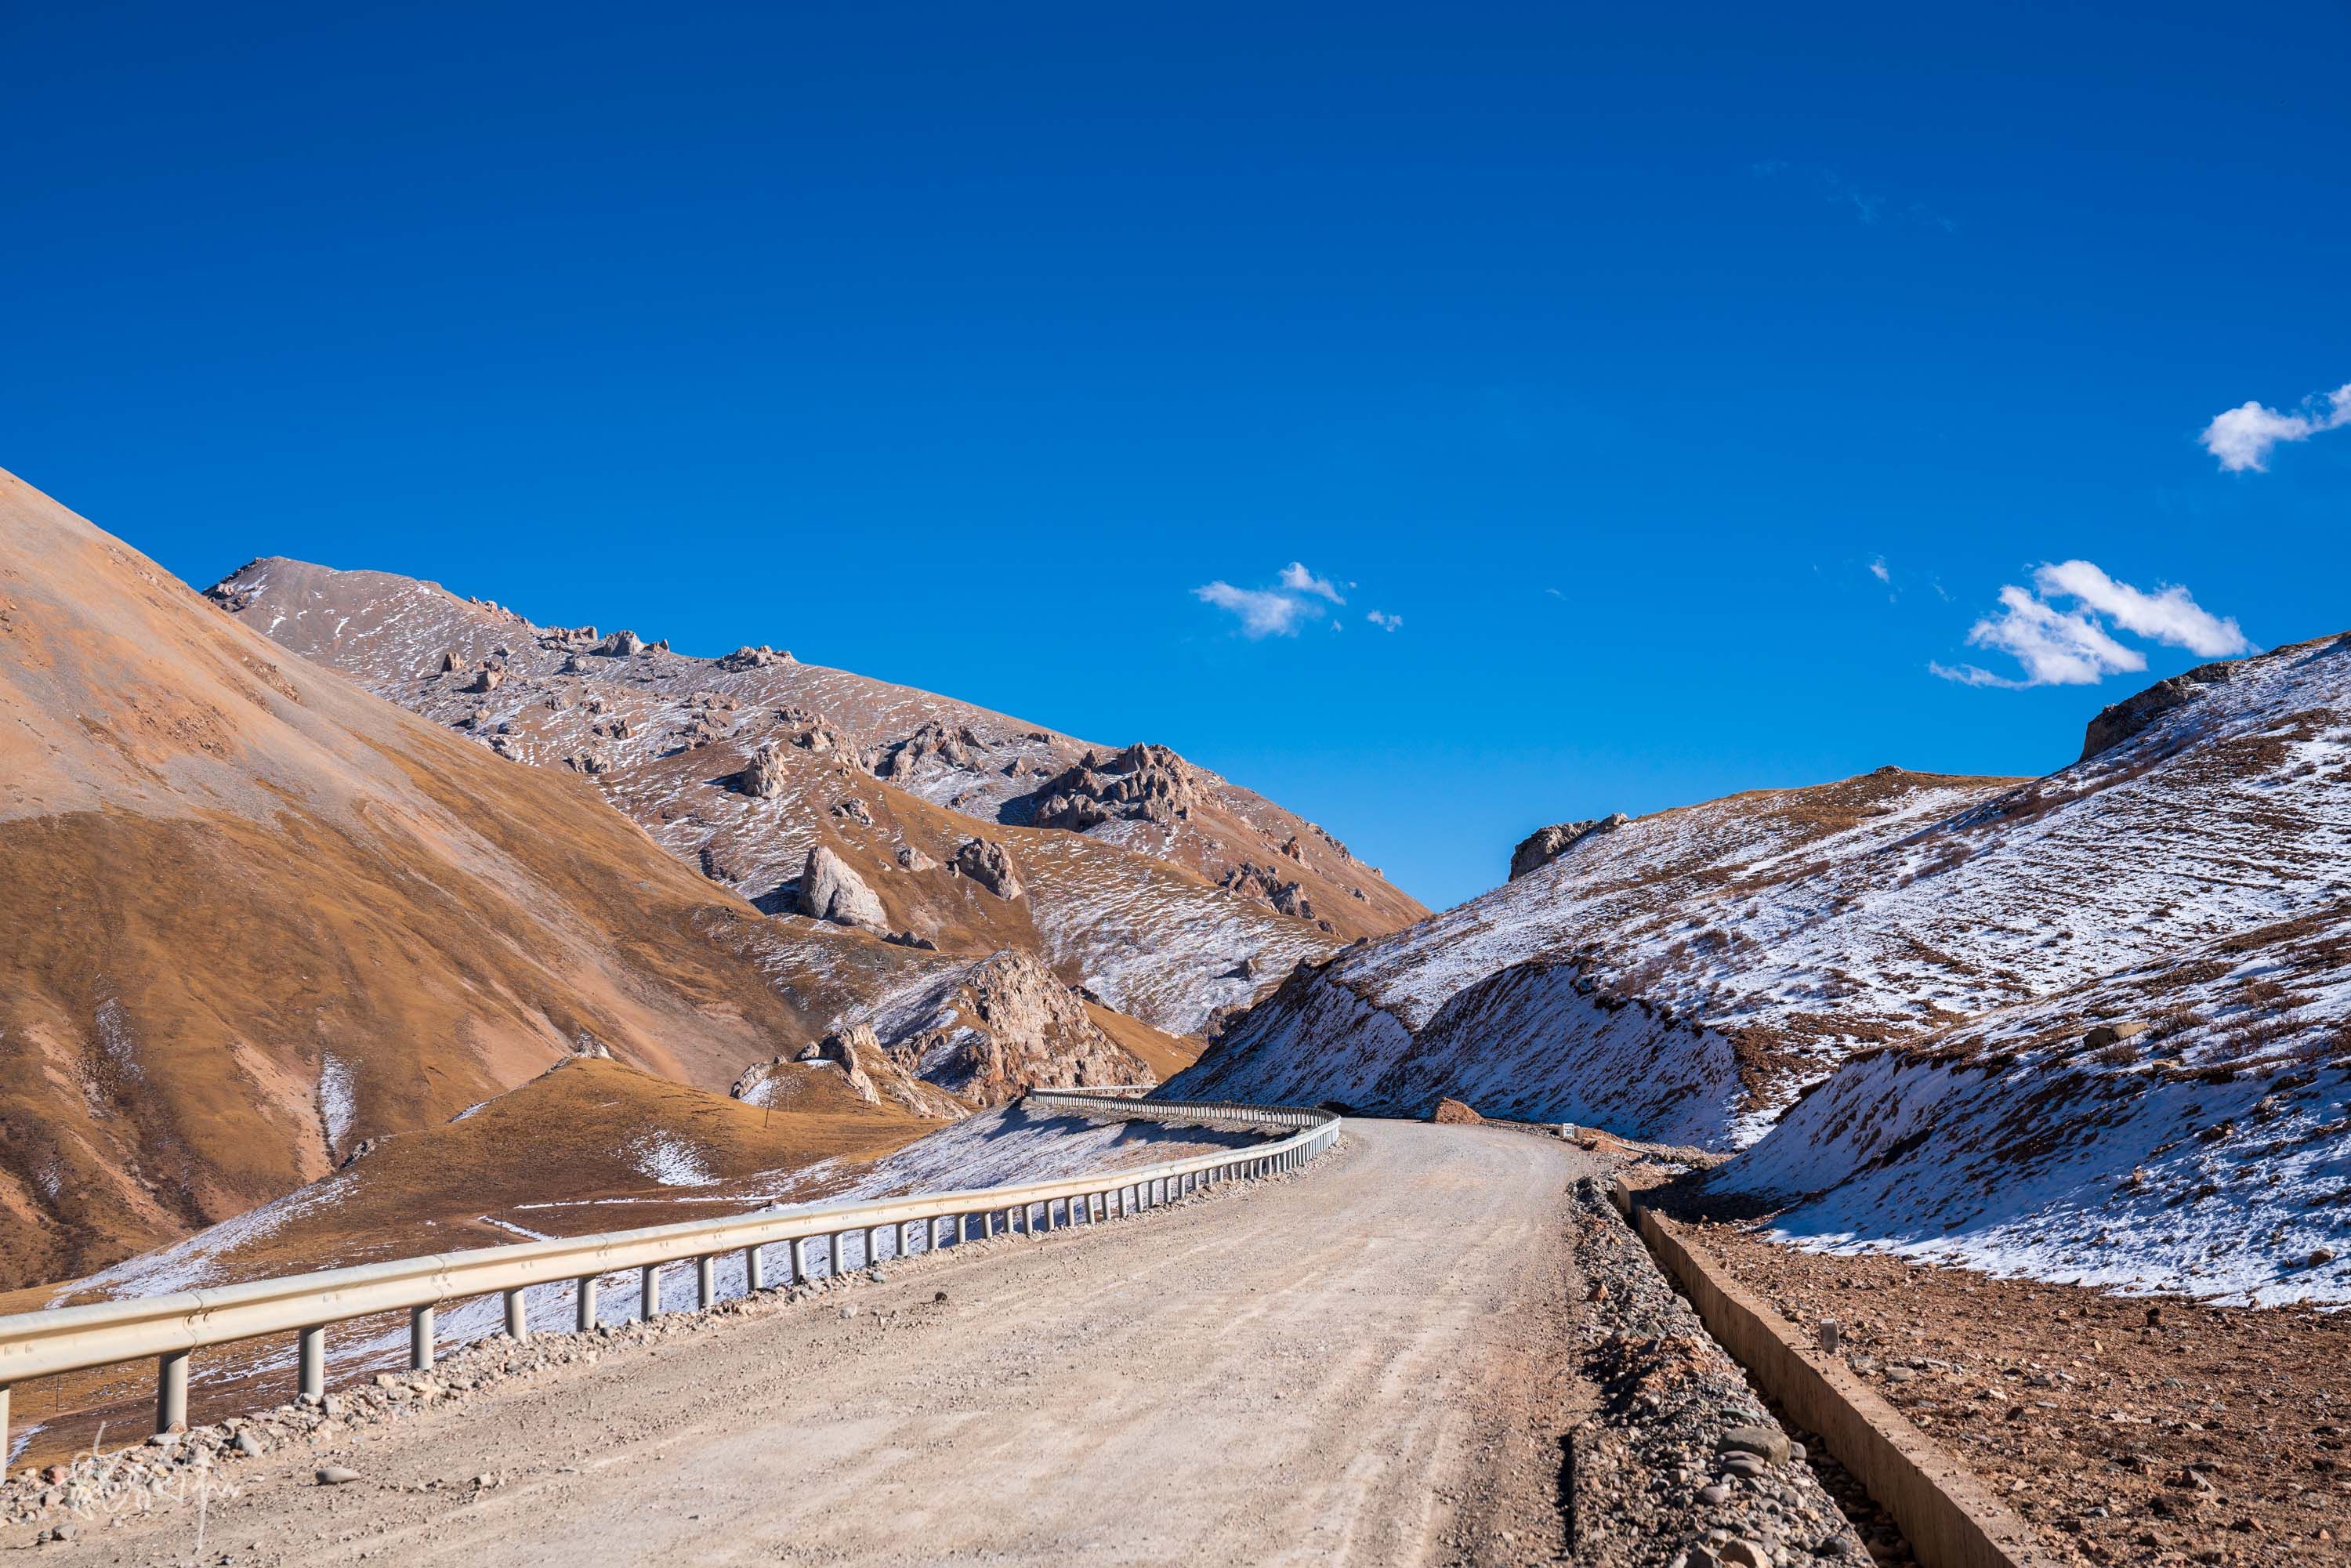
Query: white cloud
[[1384, 623], [2244, 436], [2168, 615], [1263, 614], [1878, 569], [1296, 578], [2072, 647]]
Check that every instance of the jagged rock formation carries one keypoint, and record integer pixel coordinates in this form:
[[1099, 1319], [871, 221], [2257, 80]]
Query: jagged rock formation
[[1540, 848], [987, 863], [2118, 722], [620, 645], [1143, 783], [831, 891], [1267, 886], [1010, 1026], [956, 748]]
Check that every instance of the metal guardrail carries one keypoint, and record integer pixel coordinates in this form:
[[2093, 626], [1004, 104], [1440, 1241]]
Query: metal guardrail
[[172, 1327]]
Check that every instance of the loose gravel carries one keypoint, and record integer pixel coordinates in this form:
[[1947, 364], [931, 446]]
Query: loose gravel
[[1680, 1465]]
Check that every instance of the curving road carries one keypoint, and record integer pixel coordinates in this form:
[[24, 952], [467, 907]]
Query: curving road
[[1368, 1362]]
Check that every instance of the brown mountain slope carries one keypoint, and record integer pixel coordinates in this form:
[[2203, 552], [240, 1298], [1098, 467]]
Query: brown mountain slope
[[254, 916], [1164, 889]]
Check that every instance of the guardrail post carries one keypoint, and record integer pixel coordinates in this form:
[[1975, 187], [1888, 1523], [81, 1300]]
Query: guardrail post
[[4, 1426], [172, 1391], [705, 1282], [873, 1244], [517, 1317], [648, 1292], [987, 1224], [834, 1259], [586, 1304], [312, 1347], [755, 1272], [419, 1338]]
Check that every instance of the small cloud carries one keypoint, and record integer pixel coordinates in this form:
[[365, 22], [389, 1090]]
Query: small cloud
[[2242, 437], [1555, 593], [2072, 646], [1263, 614], [1384, 623], [1296, 578], [1878, 569], [1866, 205]]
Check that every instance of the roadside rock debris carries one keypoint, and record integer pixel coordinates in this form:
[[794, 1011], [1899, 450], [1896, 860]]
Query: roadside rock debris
[[1679, 1465]]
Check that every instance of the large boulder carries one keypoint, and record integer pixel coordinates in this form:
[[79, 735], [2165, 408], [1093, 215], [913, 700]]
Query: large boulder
[[1540, 848], [763, 773], [989, 864], [831, 891], [619, 645]]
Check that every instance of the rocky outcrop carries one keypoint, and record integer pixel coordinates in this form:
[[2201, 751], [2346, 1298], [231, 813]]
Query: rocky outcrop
[[989, 864], [619, 645], [2117, 722], [856, 1053], [841, 1049], [1143, 783], [488, 680], [763, 773], [956, 748], [831, 891], [1539, 849], [749, 658], [912, 859], [1011, 1027], [1266, 886]]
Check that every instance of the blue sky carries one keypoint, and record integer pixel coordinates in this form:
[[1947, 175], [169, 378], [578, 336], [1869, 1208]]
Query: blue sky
[[1687, 383]]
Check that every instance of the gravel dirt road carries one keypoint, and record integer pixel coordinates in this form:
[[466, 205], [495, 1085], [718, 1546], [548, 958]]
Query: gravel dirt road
[[1371, 1361]]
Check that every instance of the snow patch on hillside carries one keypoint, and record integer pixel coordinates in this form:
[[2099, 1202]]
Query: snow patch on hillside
[[338, 1101], [666, 1159], [2125, 1179]]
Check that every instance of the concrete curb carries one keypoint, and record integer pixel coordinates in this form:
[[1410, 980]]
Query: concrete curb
[[1949, 1517]]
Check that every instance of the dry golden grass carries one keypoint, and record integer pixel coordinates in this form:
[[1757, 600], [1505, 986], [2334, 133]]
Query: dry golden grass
[[221, 867]]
